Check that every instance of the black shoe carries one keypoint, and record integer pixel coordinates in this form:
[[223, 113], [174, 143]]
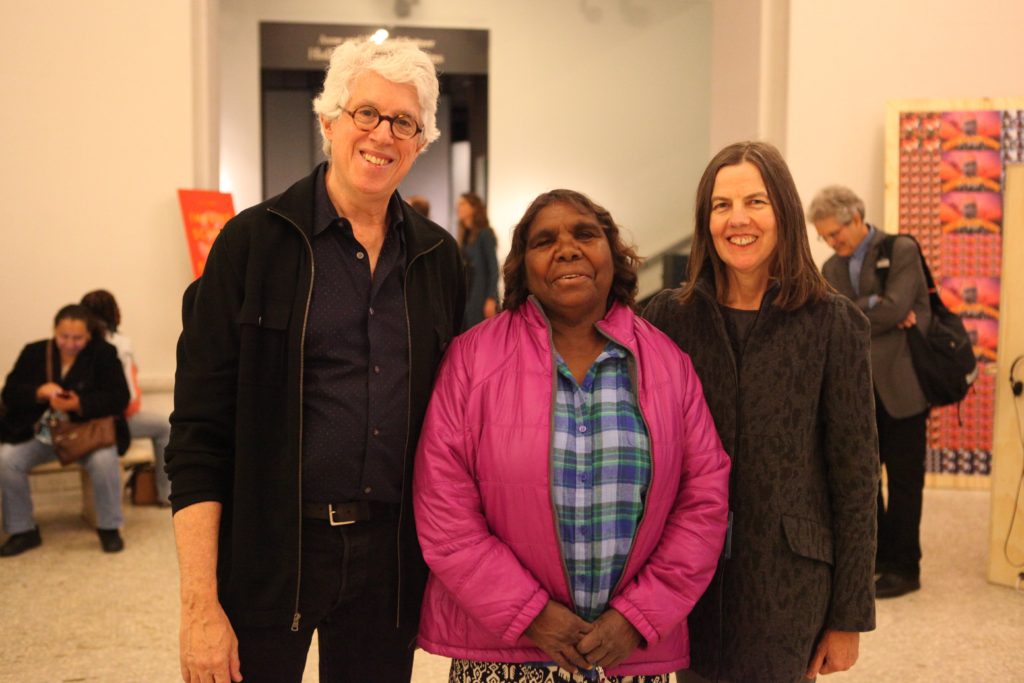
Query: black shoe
[[111, 540], [19, 543], [891, 585]]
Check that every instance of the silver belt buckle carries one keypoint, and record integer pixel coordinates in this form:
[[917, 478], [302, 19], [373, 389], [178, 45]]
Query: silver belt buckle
[[333, 522]]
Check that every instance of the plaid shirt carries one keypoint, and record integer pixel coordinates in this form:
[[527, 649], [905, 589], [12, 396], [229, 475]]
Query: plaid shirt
[[601, 471]]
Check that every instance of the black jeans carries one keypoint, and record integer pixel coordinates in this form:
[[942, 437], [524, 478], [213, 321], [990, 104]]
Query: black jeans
[[348, 595], [901, 448]]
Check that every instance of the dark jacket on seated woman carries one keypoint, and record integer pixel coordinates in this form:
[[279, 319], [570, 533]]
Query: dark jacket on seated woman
[[96, 376]]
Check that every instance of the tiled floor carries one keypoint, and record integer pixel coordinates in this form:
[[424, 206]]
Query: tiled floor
[[69, 613]]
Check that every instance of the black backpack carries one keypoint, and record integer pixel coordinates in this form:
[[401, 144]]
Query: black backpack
[[943, 356]]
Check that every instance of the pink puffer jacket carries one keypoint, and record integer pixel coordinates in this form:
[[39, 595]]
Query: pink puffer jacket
[[483, 500]]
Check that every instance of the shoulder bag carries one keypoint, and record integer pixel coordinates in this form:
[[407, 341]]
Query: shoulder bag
[[943, 355]]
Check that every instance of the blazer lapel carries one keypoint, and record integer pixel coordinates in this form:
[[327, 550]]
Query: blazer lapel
[[868, 268]]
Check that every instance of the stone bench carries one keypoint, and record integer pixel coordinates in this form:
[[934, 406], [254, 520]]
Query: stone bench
[[140, 452]]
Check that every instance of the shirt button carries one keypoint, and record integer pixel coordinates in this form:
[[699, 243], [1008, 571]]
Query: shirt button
[[376, 432], [583, 428], [372, 311], [376, 369], [368, 489], [360, 255]]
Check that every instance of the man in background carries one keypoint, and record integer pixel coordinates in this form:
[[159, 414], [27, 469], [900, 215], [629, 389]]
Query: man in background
[[901, 409]]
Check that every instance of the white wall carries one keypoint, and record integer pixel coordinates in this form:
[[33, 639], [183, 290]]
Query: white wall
[[606, 97], [846, 60], [96, 137]]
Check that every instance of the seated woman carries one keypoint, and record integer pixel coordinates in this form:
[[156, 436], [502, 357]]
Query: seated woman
[[141, 424], [570, 488], [87, 383], [785, 366]]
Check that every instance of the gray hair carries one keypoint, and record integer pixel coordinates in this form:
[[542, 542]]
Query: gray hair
[[838, 201], [398, 60]]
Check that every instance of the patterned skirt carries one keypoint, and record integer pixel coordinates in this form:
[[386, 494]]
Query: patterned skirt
[[470, 671]]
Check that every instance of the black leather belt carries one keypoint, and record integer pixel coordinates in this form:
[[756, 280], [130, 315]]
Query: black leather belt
[[340, 514]]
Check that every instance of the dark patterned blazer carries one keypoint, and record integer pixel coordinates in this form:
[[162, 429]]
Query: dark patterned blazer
[[796, 414], [905, 289]]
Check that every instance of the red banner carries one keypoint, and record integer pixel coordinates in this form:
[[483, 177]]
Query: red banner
[[205, 212]]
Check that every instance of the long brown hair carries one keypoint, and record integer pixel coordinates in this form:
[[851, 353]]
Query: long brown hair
[[624, 259], [478, 222], [791, 265]]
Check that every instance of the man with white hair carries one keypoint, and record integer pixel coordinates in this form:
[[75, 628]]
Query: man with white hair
[[305, 366]]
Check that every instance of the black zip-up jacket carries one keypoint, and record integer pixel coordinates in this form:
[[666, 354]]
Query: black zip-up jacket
[[236, 429]]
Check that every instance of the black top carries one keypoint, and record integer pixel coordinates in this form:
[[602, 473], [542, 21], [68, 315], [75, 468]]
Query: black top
[[356, 378], [737, 324]]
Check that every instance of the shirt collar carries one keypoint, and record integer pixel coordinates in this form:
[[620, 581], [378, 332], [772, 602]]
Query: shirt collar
[[611, 350], [324, 213], [865, 244]]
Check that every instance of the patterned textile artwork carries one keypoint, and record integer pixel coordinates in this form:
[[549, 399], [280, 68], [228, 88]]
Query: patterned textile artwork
[[951, 171]]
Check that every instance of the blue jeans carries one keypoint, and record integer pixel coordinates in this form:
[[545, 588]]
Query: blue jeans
[[17, 459], [157, 428]]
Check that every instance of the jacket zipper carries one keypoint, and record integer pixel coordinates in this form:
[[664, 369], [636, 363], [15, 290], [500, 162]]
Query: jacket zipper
[[296, 616], [408, 423]]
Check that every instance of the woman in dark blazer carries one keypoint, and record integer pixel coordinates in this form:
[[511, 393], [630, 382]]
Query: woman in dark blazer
[[85, 382], [785, 366]]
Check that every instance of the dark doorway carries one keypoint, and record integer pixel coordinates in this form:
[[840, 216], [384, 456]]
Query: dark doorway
[[293, 59]]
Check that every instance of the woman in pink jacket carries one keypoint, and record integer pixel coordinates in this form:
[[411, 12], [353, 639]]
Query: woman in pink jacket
[[570, 487]]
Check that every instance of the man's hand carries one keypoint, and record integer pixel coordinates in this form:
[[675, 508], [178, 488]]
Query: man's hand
[[611, 640], [209, 648], [909, 321], [490, 308], [208, 645], [556, 630], [836, 651]]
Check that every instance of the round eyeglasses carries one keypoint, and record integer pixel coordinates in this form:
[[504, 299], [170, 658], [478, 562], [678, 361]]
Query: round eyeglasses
[[368, 118]]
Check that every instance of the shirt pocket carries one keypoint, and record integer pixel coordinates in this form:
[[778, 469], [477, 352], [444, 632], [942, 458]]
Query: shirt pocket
[[808, 538], [263, 345]]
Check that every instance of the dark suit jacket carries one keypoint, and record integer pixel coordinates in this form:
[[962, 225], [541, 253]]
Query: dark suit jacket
[[905, 289], [796, 415]]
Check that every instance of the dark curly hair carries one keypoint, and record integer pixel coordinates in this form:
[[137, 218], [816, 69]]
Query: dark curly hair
[[624, 257], [103, 306]]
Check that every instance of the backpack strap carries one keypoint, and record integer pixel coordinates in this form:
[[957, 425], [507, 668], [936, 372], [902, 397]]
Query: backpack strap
[[884, 262]]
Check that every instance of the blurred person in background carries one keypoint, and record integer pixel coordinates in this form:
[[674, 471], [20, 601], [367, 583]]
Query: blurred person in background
[[141, 424], [480, 253], [421, 204], [87, 382], [901, 410]]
